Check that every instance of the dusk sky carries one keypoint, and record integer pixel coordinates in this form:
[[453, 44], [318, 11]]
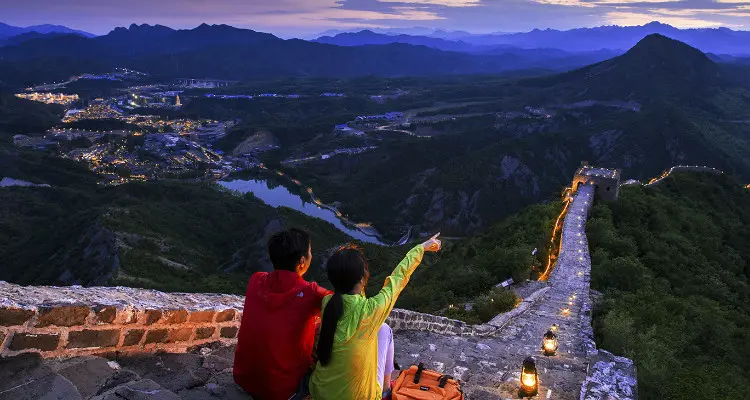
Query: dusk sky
[[288, 18]]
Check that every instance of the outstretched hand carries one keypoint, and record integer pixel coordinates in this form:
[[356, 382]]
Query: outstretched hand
[[433, 244]]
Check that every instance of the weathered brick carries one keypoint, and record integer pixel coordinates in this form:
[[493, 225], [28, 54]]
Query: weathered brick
[[204, 333], [93, 338], [14, 316], [175, 316], [229, 332], [179, 335], [133, 337], [201, 316], [62, 316], [43, 342], [152, 316], [156, 336], [224, 316], [105, 314], [127, 316]]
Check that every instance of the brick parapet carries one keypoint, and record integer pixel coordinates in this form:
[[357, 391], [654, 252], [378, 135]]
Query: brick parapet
[[72, 321], [415, 321], [503, 319]]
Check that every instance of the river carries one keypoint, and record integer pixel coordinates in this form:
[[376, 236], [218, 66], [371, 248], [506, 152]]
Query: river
[[280, 196]]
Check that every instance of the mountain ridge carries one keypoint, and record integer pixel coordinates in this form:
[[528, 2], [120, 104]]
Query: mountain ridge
[[613, 37], [7, 30], [225, 52]]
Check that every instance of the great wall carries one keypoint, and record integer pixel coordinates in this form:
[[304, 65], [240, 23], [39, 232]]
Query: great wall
[[123, 343]]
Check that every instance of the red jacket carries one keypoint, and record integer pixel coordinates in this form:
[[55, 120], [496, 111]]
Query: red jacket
[[277, 334]]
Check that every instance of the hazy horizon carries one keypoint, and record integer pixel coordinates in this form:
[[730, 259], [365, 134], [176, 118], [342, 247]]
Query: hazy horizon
[[306, 18], [410, 30]]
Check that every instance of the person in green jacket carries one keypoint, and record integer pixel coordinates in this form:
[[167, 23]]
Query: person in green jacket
[[347, 367]]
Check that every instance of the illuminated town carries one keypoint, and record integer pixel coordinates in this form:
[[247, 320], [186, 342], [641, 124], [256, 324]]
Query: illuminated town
[[50, 98], [137, 144]]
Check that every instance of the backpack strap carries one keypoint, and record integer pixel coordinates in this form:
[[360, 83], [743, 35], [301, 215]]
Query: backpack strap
[[418, 375], [444, 380]]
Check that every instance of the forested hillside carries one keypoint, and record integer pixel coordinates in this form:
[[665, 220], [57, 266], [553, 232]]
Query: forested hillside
[[166, 235], [196, 237], [673, 264], [24, 116]]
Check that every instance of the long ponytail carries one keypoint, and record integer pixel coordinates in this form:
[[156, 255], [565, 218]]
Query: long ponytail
[[346, 268], [331, 316]]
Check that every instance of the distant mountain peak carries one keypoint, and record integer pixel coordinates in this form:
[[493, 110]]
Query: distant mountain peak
[[144, 29], [659, 46], [655, 67], [654, 24]]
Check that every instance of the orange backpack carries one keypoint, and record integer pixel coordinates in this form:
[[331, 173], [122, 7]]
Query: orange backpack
[[417, 383]]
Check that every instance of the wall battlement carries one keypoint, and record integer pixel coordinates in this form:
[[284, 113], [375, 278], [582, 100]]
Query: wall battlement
[[72, 321]]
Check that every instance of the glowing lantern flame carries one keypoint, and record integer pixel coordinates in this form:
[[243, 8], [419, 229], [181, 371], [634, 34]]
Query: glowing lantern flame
[[529, 380], [550, 346]]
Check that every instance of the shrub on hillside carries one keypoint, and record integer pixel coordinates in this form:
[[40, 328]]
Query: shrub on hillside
[[497, 301]]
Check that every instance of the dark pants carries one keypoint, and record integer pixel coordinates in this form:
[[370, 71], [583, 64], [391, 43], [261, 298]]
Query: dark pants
[[303, 392]]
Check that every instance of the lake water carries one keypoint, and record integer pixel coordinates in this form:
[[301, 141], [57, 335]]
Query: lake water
[[279, 196]]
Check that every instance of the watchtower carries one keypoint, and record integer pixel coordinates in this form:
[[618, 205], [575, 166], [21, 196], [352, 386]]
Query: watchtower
[[606, 181]]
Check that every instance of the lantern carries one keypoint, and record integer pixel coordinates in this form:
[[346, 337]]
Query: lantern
[[529, 378], [549, 343]]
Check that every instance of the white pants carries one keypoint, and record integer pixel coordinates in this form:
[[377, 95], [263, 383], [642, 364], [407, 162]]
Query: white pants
[[385, 353]]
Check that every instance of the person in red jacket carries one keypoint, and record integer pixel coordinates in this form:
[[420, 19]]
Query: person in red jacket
[[277, 334]]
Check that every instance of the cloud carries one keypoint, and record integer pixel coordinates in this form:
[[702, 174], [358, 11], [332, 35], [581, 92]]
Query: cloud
[[446, 3], [295, 17], [678, 13], [640, 18]]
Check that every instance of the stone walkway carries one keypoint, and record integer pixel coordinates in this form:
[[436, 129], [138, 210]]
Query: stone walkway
[[490, 366]]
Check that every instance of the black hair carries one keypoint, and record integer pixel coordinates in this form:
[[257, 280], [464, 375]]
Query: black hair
[[346, 268], [285, 248]]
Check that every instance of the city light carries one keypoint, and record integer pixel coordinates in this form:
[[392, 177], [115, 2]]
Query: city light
[[50, 98]]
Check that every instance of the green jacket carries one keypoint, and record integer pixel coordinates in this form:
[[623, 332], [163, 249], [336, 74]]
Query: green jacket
[[352, 372]]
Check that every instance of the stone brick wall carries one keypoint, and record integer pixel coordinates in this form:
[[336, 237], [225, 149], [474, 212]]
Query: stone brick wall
[[503, 319], [416, 321], [71, 321]]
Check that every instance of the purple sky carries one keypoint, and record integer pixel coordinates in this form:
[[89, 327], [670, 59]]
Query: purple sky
[[289, 18]]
